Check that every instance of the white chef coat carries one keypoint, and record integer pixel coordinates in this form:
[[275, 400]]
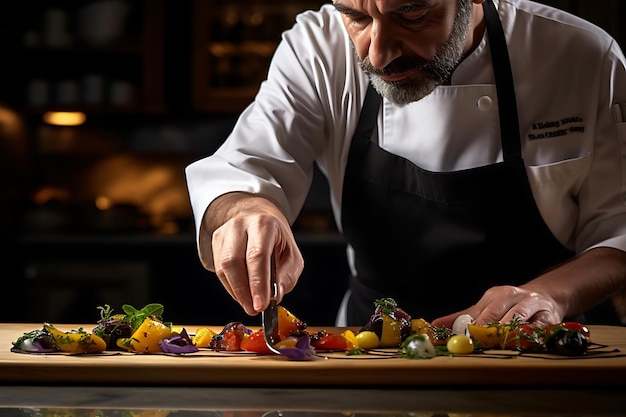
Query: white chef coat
[[570, 81]]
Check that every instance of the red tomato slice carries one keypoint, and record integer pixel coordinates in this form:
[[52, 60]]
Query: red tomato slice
[[231, 341], [526, 338], [331, 341], [229, 338], [255, 343]]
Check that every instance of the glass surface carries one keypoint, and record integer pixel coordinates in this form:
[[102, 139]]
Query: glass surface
[[25, 401]]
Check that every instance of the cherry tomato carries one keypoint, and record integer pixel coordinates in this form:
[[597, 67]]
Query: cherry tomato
[[526, 338], [255, 343], [333, 341], [367, 339], [460, 344], [229, 338]]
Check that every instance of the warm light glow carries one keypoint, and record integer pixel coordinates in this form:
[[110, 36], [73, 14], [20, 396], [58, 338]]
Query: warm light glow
[[64, 118], [48, 194], [103, 203]]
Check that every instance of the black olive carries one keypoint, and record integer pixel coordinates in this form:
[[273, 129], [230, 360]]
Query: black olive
[[566, 342]]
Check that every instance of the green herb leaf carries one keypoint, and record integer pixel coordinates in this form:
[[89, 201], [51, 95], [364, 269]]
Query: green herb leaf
[[442, 332], [32, 335], [387, 306], [105, 312], [136, 317]]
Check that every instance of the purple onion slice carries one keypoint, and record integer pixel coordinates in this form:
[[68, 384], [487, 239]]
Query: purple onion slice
[[302, 351], [180, 343]]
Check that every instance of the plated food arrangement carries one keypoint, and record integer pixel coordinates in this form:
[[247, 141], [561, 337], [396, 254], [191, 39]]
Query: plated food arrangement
[[144, 331]]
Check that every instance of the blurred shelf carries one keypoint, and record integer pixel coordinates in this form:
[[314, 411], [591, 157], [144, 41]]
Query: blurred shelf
[[233, 42], [96, 55]]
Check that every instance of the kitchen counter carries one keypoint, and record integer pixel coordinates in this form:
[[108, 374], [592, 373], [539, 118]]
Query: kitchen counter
[[211, 384], [208, 368]]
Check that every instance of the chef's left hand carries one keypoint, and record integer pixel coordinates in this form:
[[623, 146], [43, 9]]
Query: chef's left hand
[[503, 303], [564, 291]]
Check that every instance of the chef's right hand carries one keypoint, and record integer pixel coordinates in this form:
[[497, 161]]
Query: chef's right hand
[[252, 230]]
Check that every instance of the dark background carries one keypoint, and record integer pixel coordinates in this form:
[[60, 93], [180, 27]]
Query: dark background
[[168, 88]]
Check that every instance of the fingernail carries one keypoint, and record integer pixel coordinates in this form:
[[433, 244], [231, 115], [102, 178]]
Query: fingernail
[[279, 290], [257, 303]]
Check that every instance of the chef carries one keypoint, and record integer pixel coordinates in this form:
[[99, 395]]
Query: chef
[[475, 152]]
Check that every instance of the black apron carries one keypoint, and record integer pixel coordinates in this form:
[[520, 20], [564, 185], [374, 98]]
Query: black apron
[[435, 241]]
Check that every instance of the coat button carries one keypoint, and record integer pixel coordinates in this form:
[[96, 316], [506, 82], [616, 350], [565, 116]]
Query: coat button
[[485, 103]]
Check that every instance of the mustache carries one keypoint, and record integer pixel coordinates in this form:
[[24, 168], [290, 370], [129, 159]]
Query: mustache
[[398, 66]]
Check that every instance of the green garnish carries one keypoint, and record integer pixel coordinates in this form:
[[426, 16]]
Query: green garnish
[[128, 343], [442, 351], [442, 332], [132, 315], [105, 312], [136, 317], [408, 350], [387, 306], [32, 335]]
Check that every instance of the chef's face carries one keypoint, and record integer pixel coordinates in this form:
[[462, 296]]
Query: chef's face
[[408, 47]]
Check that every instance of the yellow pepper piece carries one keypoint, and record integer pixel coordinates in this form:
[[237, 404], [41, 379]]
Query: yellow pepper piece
[[486, 337], [147, 337], [203, 337], [288, 323], [351, 341], [290, 343], [391, 335], [76, 341], [420, 326], [177, 330]]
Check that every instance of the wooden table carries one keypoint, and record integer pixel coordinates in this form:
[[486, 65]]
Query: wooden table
[[208, 368], [238, 385]]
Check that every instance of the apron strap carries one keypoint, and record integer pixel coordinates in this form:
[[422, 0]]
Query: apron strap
[[369, 116], [507, 104]]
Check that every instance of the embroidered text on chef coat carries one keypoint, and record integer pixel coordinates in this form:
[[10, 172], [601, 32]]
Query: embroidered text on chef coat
[[556, 128]]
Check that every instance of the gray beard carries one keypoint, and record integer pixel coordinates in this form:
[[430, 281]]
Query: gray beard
[[432, 73]]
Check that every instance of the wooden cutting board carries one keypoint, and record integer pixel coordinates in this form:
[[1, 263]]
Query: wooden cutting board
[[208, 368]]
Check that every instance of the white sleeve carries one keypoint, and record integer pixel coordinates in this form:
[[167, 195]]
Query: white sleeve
[[297, 118], [602, 219]]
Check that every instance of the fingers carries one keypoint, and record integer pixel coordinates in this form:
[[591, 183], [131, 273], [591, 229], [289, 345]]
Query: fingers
[[289, 266], [242, 251], [259, 252], [229, 253], [503, 304], [506, 303]]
